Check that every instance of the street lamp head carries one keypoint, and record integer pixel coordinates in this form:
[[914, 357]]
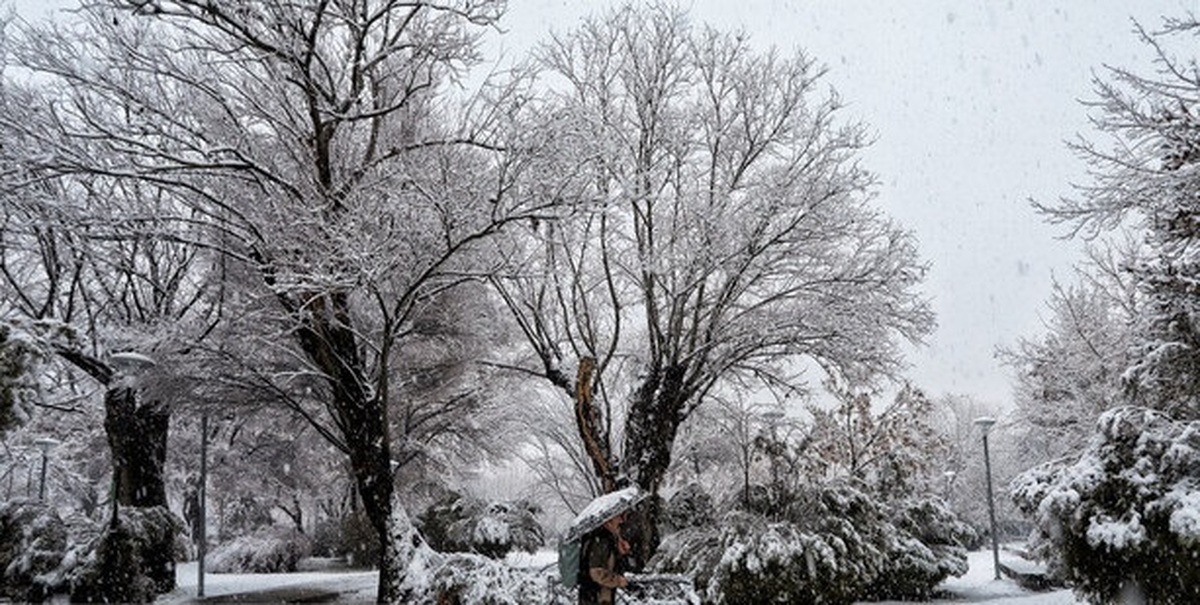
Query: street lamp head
[[985, 424], [46, 444], [129, 361]]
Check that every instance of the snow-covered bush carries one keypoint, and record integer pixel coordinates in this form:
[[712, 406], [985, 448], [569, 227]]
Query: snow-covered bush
[[33, 541], [470, 579], [832, 544], [691, 506], [929, 544], [112, 568], [493, 529], [268, 550], [745, 557], [1123, 516]]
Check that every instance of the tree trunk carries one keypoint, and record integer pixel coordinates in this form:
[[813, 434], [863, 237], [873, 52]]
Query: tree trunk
[[328, 339], [591, 426], [370, 463], [137, 439], [653, 422]]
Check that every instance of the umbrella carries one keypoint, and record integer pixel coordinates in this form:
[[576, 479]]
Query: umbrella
[[602, 509]]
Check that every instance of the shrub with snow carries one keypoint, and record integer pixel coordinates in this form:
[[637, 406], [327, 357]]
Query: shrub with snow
[[1124, 516], [746, 557], [120, 565], [470, 579], [832, 544], [691, 506], [928, 545], [33, 541], [493, 529], [268, 550]]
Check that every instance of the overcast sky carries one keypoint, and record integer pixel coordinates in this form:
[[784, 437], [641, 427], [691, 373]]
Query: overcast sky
[[970, 102]]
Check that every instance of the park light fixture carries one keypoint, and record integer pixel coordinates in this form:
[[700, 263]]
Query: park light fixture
[[985, 426], [130, 362], [45, 444]]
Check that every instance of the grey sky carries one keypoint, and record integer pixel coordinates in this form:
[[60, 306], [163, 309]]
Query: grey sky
[[971, 102]]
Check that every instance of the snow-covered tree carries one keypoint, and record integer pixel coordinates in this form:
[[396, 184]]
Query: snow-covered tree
[[1072, 373], [1144, 178], [88, 279], [891, 449], [317, 145], [727, 232]]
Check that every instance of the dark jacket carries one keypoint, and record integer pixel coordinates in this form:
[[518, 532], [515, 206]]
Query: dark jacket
[[599, 549]]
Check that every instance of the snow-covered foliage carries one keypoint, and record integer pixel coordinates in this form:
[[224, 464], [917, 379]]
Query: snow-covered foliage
[[746, 556], [1125, 513], [33, 541], [17, 385], [889, 448], [836, 544], [119, 565], [690, 506], [469, 579], [930, 545], [267, 550], [492, 529]]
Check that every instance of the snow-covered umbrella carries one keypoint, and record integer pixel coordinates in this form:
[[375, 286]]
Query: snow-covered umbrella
[[602, 509]]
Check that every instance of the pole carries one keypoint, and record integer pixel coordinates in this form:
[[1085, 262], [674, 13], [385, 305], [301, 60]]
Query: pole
[[42, 482], [200, 493], [987, 463]]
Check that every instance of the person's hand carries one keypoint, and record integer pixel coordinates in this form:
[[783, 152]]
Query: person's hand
[[622, 582], [623, 547]]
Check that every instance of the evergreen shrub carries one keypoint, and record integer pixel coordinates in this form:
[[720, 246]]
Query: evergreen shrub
[[1121, 521]]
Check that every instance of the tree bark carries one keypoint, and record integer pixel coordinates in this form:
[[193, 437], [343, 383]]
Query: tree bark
[[137, 437], [591, 427], [327, 338], [653, 422]]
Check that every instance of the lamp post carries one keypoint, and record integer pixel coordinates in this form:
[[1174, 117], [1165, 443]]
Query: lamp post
[[985, 425], [202, 496], [28, 478], [45, 444]]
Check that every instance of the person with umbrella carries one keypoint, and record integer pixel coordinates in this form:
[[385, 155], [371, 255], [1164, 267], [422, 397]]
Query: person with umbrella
[[602, 549], [598, 527]]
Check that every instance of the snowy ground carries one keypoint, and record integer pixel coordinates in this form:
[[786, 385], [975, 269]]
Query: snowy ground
[[977, 586]]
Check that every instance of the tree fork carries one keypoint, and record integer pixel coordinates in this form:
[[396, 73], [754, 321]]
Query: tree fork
[[587, 419]]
